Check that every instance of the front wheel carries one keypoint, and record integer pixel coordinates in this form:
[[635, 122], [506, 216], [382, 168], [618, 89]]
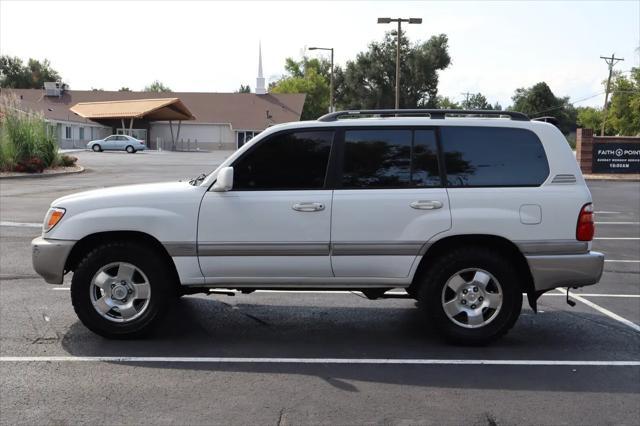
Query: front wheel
[[96, 148], [130, 149], [121, 290], [471, 295]]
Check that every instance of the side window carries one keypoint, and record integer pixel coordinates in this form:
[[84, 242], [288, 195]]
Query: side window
[[389, 158], [110, 138], [67, 132], [493, 156], [424, 159], [286, 161]]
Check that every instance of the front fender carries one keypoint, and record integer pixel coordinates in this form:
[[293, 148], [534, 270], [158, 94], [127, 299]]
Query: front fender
[[164, 225]]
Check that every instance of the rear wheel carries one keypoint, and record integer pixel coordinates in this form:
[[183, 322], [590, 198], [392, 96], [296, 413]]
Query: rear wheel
[[121, 290], [130, 149], [471, 295], [96, 148]]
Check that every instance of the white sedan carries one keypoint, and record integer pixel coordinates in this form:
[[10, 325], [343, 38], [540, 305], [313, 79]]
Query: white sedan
[[117, 143]]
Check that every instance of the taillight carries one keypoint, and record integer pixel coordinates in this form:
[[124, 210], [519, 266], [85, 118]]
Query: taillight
[[585, 228]]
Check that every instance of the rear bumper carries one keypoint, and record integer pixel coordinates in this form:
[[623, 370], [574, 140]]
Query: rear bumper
[[566, 270], [49, 258]]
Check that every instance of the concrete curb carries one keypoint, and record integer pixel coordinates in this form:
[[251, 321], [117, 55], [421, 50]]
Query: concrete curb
[[77, 169], [634, 177]]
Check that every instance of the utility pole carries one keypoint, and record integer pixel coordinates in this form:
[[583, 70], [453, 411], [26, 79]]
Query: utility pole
[[399, 21], [610, 63], [466, 100]]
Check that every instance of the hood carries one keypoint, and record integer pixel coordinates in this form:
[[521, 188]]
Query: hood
[[128, 195]]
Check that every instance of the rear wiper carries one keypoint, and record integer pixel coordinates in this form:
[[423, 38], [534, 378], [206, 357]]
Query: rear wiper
[[197, 180]]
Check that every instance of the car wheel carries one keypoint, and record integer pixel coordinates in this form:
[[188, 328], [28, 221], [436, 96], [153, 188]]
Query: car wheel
[[471, 295], [96, 148], [121, 290], [130, 149]]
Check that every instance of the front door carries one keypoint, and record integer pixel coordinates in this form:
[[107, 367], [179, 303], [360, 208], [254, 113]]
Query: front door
[[274, 224], [388, 203]]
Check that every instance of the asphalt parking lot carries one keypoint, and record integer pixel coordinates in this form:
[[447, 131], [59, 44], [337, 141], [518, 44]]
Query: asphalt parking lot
[[307, 357]]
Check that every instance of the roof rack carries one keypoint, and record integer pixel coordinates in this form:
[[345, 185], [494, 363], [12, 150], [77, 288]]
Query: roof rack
[[547, 119], [432, 113]]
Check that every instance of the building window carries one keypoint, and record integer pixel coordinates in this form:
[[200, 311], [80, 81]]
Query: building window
[[244, 136], [67, 132], [81, 135]]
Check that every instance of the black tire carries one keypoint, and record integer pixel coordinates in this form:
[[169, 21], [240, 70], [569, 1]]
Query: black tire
[[130, 149], [435, 279], [96, 148], [143, 257]]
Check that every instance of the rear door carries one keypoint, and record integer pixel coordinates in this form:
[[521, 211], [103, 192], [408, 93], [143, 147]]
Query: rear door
[[389, 201]]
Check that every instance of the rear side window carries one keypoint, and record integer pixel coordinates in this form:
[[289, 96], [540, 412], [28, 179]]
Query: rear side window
[[285, 161], [390, 158], [492, 156]]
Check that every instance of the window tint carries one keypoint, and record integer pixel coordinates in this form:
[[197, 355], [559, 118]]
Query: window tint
[[285, 161], [388, 158], [424, 159], [491, 156]]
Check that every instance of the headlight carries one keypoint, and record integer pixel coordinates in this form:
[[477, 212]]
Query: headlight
[[52, 218]]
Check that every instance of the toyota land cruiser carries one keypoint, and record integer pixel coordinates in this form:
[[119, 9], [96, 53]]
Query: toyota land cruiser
[[465, 213]]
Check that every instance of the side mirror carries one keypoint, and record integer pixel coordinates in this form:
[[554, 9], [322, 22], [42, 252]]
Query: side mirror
[[224, 181]]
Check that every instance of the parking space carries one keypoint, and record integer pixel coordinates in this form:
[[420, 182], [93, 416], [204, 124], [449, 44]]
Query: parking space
[[293, 357]]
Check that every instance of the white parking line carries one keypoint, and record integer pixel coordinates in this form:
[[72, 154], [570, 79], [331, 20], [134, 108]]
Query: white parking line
[[605, 212], [621, 261], [384, 361], [21, 224], [617, 238], [617, 223], [600, 309]]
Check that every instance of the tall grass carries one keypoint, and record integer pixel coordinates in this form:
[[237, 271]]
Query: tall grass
[[27, 141]]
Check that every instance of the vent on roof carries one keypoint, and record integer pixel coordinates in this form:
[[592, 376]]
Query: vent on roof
[[54, 88], [567, 179]]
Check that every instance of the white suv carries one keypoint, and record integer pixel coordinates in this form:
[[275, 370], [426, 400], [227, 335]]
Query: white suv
[[464, 213]]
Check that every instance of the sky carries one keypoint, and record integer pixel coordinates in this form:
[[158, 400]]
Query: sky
[[200, 46]]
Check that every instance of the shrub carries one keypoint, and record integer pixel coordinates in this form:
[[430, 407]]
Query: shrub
[[67, 160], [27, 141]]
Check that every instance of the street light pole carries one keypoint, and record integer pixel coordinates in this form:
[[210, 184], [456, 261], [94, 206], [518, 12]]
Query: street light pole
[[399, 21], [331, 107]]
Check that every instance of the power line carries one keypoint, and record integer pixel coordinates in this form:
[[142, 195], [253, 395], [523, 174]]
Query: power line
[[571, 102]]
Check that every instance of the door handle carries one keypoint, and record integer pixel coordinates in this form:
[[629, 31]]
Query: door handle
[[426, 205], [308, 207]]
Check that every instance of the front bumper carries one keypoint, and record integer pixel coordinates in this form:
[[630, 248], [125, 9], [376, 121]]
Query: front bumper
[[49, 257], [566, 270]]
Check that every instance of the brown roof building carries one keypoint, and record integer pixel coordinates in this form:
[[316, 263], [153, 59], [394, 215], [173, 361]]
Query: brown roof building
[[218, 120]]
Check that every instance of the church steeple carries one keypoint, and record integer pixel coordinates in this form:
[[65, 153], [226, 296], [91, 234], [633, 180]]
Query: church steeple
[[260, 89]]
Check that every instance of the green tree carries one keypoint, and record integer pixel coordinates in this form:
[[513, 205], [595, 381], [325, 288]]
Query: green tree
[[309, 76], [369, 80], [624, 109], [124, 89], [539, 101], [476, 101], [591, 118], [157, 86], [244, 89], [444, 102], [15, 74]]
